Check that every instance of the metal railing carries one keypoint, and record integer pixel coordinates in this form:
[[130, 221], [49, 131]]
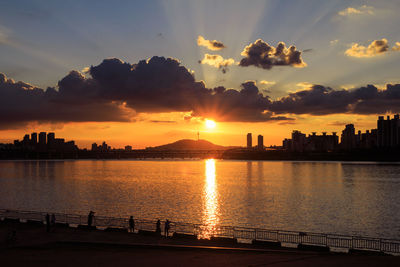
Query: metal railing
[[208, 231]]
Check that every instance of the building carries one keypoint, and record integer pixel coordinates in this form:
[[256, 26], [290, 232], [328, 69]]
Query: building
[[321, 143], [128, 148], [249, 141], [348, 140], [298, 141], [42, 139], [34, 139], [388, 132], [50, 138], [369, 139], [95, 147], [260, 142]]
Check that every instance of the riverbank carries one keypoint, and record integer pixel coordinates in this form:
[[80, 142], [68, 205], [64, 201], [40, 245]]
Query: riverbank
[[66, 246], [374, 155]]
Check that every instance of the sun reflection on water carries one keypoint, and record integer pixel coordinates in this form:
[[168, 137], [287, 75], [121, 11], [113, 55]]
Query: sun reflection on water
[[210, 196]]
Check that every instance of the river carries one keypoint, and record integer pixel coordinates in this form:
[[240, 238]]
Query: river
[[350, 198]]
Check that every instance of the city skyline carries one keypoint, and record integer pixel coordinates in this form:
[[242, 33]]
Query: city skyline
[[151, 73], [385, 136]]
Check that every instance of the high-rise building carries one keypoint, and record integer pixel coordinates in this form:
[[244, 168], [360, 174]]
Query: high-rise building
[[42, 138], [388, 132], [34, 138], [94, 147], [260, 143], [348, 141], [298, 141], [50, 138], [249, 141]]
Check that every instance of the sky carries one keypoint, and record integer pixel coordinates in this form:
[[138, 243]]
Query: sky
[[146, 73]]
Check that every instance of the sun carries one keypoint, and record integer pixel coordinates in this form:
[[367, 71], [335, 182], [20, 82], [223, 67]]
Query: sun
[[210, 124]]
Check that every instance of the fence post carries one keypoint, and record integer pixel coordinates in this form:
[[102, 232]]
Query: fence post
[[255, 233]]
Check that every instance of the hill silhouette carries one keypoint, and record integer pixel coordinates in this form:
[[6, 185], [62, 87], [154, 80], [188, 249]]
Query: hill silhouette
[[188, 144]]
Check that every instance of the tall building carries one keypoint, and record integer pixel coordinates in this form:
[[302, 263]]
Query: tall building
[[50, 138], [94, 147], [388, 132], [260, 143], [34, 138], [298, 141], [321, 143], [249, 141], [348, 141], [42, 138]]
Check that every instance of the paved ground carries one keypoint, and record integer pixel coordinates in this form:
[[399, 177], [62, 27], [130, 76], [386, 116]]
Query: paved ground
[[33, 246]]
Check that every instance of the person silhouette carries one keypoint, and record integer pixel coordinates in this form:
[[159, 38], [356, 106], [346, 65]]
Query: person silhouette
[[166, 227], [158, 227], [47, 222], [90, 218], [131, 225], [53, 219]]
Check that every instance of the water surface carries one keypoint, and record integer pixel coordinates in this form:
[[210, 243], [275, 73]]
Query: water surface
[[329, 197]]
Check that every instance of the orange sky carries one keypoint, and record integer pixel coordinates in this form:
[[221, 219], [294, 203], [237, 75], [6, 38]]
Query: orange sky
[[143, 132]]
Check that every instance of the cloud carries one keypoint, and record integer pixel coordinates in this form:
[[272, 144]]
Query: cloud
[[366, 10], [116, 91], [396, 47], [261, 54], [264, 82], [377, 47], [22, 103], [334, 42], [217, 61], [211, 45], [321, 100]]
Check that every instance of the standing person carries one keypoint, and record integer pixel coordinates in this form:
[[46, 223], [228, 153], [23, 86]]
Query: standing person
[[166, 227], [53, 219], [90, 219], [47, 222], [131, 224], [158, 227]]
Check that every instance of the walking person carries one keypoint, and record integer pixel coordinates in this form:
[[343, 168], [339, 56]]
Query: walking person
[[131, 225], [166, 227], [90, 218], [47, 222], [158, 227]]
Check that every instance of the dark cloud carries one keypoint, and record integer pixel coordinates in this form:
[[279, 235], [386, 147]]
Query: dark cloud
[[116, 90], [261, 54], [246, 105], [320, 100], [21, 103], [158, 121]]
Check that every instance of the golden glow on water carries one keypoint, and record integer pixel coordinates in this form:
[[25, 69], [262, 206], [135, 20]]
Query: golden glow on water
[[210, 196]]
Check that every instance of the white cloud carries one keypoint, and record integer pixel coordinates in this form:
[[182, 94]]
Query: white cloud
[[377, 47], [264, 82], [334, 42], [362, 10], [396, 47]]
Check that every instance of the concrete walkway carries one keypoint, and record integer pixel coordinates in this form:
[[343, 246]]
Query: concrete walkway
[[64, 246]]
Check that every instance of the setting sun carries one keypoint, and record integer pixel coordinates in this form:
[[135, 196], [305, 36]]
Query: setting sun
[[210, 124]]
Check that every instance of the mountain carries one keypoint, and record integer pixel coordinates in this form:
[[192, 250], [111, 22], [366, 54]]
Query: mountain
[[188, 144]]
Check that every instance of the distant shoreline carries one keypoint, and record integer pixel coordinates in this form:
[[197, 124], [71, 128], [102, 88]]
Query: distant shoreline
[[274, 155]]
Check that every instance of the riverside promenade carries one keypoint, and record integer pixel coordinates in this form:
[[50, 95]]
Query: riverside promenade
[[27, 243]]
